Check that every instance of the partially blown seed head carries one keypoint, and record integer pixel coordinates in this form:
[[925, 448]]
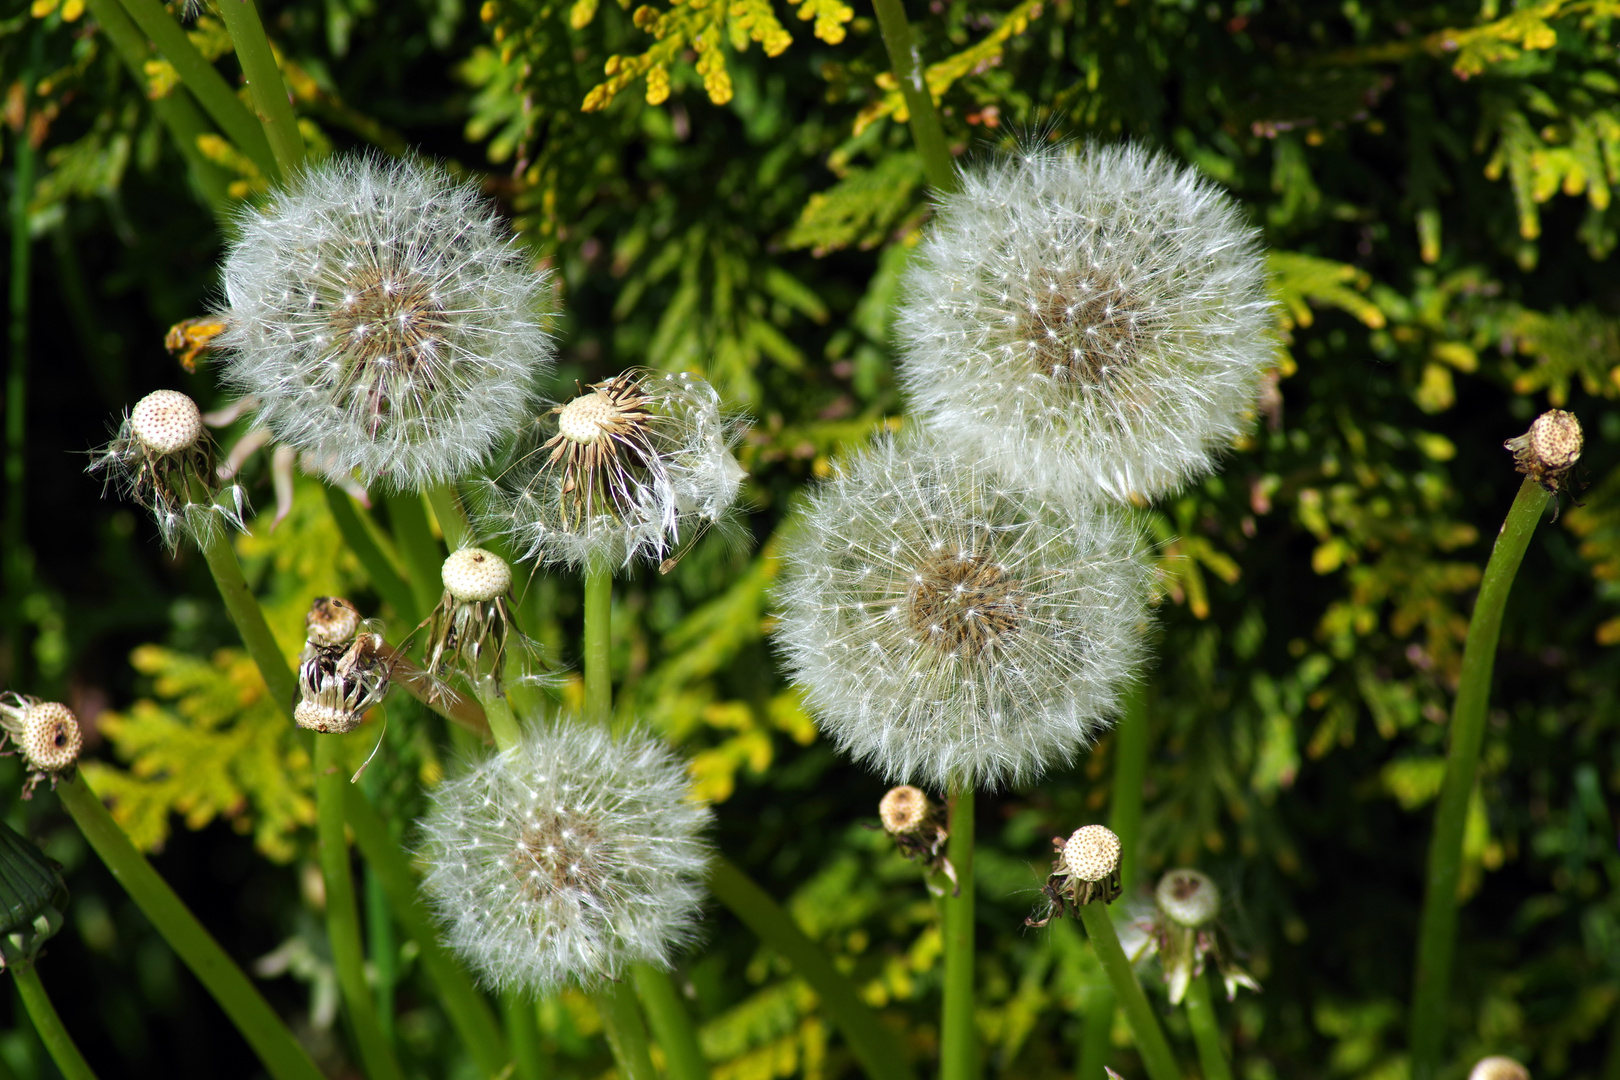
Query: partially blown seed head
[[566, 859], [631, 468], [1092, 321], [951, 627], [385, 321]]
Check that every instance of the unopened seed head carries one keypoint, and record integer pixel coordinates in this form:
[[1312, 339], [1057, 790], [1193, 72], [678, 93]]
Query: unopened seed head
[[903, 809], [473, 575], [1497, 1067], [50, 736], [166, 422], [1556, 440], [1188, 898], [332, 620], [1092, 853]]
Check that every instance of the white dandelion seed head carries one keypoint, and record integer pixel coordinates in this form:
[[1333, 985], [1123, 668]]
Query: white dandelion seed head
[[567, 858], [949, 626], [385, 320], [634, 467], [1091, 320]]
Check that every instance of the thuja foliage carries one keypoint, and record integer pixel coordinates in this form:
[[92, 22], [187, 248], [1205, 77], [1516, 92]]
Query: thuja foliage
[[731, 190]]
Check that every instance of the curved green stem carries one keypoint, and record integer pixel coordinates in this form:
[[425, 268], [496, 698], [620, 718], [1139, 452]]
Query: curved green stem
[[1150, 1041], [424, 559], [265, 85], [205, 82], [626, 1033], [245, 612], [452, 516], [926, 131], [874, 1046], [342, 913], [503, 723], [956, 1049], [52, 1033], [281, 1054], [598, 644], [1437, 936], [469, 1012], [528, 1057], [671, 1024], [1206, 1029], [394, 589]]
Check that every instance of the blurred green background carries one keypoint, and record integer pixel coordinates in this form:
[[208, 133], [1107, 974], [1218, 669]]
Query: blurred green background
[[1435, 183]]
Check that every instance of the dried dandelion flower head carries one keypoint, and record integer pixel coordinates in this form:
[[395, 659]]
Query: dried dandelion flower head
[[45, 733], [952, 628], [1086, 871], [1184, 931], [385, 321], [344, 670], [631, 468], [567, 858], [163, 459], [474, 622], [1091, 320]]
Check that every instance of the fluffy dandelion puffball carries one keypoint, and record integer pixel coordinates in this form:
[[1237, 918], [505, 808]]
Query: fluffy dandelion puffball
[[1091, 320], [632, 468], [385, 321], [567, 858], [953, 628]]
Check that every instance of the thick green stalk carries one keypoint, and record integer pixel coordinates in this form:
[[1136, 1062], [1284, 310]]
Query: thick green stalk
[[956, 1039], [245, 612], [205, 82], [1437, 935], [1150, 1041], [452, 516], [265, 85], [393, 589], [598, 642], [343, 914], [281, 1054], [626, 1032], [1206, 1029], [382, 949], [470, 1013], [1125, 820], [424, 559], [874, 1046], [503, 723], [176, 109], [926, 131], [522, 1022], [52, 1033], [671, 1024]]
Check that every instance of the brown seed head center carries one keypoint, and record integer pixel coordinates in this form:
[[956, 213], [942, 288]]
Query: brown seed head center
[[557, 852], [1078, 329], [963, 603], [388, 318]]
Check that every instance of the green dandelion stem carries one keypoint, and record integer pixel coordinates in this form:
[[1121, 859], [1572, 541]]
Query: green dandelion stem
[[248, 617], [957, 1051], [382, 949], [671, 1024], [598, 644], [343, 914], [422, 555], [873, 1045], [926, 131], [1206, 1029], [281, 1054], [204, 81], [452, 516], [470, 1013], [503, 722], [528, 1059], [1151, 1044], [63, 1050], [626, 1032], [265, 84], [395, 590], [1437, 934]]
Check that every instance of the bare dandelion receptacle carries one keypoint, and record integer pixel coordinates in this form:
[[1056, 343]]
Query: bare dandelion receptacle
[[45, 733]]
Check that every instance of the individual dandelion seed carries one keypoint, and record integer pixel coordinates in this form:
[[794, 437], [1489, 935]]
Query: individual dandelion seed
[[951, 628], [342, 671], [634, 467], [1085, 871], [917, 825], [45, 733], [1184, 931], [474, 621], [385, 321], [162, 458], [1091, 319], [567, 858]]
